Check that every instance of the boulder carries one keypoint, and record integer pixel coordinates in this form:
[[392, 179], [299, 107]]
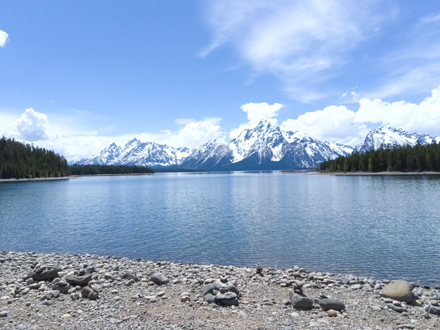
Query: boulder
[[159, 278], [78, 280], [398, 290], [335, 304], [299, 301]]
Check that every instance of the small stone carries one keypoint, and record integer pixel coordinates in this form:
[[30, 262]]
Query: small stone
[[185, 298], [78, 280], [4, 313], [332, 313], [335, 304], [159, 279], [66, 316], [298, 301]]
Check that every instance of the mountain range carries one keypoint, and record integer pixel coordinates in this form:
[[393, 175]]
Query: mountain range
[[264, 147]]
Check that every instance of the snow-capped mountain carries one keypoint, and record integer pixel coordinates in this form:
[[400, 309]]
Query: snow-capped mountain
[[264, 147], [391, 137], [139, 153]]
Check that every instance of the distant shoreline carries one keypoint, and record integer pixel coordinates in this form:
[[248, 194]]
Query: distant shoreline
[[36, 179], [379, 173]]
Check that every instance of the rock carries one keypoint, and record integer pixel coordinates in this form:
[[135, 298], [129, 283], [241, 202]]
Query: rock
[[129, 282], [433, 309], [185, 298], [55, 293], [63, 287], [399, 309], [298, 301], [130, 276], [398, 290], [209, 298], [44, 275], [218, 284], [66, 316], [335, 304], [78, 280], [332, 313], [227, 299], [4, 314], [159, 279], [89, 293], [208, 288]]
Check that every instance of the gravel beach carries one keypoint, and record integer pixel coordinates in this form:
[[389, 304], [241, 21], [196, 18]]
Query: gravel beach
[[64, 291]]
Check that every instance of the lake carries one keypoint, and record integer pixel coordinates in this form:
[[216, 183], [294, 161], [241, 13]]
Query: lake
[[381, 226]]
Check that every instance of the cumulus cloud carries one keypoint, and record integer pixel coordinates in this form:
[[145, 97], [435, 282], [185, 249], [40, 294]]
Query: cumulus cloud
[[423, 117], [32, 125], [333, 123], [255, 113], [3, 38], [298, 41], [340, 124], [195, 133]]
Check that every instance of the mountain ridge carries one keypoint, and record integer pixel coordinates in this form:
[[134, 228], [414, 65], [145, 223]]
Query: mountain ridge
[[263, 147]]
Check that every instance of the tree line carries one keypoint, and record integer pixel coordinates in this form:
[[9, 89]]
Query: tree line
[[108, 169], [401, 159], [19, 161]]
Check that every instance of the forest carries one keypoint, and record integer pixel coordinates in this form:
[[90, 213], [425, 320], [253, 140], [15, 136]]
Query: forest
[[108, 169], [400, 159], [20, 161]]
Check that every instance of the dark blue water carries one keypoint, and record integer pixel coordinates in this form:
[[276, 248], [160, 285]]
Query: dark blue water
[[387, 227]]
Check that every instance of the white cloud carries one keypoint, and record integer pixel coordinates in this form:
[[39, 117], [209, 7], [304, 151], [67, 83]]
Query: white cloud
[[3, 38], [423, 117], [298, 41], [32, 125], [255, 113], [195, 133], [333, 123], [339, 124]]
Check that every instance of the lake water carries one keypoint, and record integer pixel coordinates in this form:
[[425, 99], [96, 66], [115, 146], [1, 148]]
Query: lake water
[[381, 226]]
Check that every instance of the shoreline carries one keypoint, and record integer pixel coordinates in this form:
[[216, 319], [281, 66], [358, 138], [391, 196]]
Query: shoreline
[[377, 173], [36, 179], [116, 292]]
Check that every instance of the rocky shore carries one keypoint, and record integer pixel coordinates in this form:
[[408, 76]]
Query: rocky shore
[[64, 291]]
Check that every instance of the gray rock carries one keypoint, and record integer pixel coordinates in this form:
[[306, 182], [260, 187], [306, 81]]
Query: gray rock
[[398, 290], [335, 304], [298, 301], [159, 278], [399, 309], [44, 275], [227, 299], [433, 309], [209, 298], [4, 313], [61, 286], [130, 276], [78, 280], [218, 284], [129, 282], [55, 293], [89, 293], [209, 288]]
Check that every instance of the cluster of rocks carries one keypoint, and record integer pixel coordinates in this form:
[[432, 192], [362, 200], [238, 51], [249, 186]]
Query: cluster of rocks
[[52, 291]]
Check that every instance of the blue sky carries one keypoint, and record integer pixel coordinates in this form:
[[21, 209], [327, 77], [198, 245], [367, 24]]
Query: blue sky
[[78, 75]]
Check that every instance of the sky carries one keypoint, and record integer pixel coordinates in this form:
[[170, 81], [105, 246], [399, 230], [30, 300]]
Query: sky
[[78, 75]]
